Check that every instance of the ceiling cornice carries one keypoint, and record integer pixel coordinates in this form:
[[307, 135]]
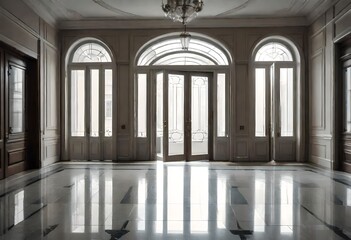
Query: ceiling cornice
[[319, 10], [198, 23]]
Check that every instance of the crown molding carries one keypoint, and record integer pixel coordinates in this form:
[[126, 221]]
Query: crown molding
[[198, 23], [320, 10]]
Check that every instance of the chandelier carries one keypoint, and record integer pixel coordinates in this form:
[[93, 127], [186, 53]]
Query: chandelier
[[183, 11]]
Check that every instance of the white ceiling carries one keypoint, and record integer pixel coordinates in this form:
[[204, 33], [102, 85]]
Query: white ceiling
[[55, 11]]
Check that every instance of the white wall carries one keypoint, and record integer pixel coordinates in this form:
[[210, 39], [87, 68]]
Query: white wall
[[331, 27]]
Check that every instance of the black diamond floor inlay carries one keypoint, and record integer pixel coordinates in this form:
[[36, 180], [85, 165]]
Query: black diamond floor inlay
[[117, 234]]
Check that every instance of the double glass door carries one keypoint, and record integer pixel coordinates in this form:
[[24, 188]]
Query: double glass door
[[91, 112], [275, 126], [183, 120]]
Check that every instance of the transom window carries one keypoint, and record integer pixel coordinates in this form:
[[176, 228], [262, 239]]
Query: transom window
[[273, 52], [170, 52], [91, 52]]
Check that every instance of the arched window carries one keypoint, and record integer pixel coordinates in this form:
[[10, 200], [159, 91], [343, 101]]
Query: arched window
[[273, 52], [91, 52], [275, 98], [170, 52], [90, 100]]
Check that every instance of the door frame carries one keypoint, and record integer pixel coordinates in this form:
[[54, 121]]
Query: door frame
[[87, 140], [186, 156], [273, 139]]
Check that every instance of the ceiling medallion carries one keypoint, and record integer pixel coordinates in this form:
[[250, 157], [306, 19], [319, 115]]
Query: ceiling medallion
[[183, 11]]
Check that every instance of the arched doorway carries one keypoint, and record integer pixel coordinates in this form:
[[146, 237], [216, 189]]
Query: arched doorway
[[276, 72], [188, 95], [90, 101]]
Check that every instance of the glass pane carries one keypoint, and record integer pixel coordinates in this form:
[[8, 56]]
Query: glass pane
[[221, 105], [260, 102], [272, 52], [347, 104], [108, 103], [77, 103], [91, 52], [175, 114], [94, 103], [286, 102], [199, 115], [170, 52], [16, 100], [159, 114], [142, 105]]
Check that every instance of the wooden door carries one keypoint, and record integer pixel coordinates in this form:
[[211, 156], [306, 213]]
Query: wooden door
[[2, 160], [346, 131], [16, 117]]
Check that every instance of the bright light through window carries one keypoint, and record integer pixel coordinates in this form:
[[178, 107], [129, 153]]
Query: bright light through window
[[169, 52]]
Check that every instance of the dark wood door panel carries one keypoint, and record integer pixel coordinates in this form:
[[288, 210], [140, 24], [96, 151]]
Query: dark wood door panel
[[2, 155], [19, 112]]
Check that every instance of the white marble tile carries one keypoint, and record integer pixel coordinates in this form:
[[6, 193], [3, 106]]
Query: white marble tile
[[176, 201]]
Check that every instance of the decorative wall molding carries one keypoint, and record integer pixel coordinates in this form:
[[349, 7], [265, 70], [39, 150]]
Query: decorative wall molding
[[165, 23], [317, 94]]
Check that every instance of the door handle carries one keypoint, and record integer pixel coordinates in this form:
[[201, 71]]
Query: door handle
[[164, 124]]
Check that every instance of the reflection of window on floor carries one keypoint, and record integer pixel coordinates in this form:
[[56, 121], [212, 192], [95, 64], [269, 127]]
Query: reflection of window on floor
[[78, 206], [221, 203], [108, 200], [95, 195], [175, 197], [141, 204], [286, 205], [199, 200], [19, 207], [260, 202], [159, 197]]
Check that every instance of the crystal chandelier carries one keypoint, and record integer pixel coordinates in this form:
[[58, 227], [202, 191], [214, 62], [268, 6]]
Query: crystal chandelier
[[183, 11]]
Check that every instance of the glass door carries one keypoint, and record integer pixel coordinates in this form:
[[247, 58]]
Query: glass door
[[90, 112], [275, 137], [283, 109], [182, 116]]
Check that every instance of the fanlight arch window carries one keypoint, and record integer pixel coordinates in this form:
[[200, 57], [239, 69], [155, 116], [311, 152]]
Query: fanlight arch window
[[274, 52], [275, 81], [91, 52], [169, 52], [90, 87]]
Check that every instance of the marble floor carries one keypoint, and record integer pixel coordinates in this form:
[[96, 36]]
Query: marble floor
[[176, 201]]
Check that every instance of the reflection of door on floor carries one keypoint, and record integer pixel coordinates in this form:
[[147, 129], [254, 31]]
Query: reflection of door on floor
[[182, 115]]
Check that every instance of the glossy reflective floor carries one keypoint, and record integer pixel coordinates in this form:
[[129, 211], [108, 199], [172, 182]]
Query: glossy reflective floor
[[176, 201]]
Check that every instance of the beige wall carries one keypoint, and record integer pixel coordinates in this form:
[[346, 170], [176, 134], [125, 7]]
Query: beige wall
[[328, 29], [22, 29], [240, 43]]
